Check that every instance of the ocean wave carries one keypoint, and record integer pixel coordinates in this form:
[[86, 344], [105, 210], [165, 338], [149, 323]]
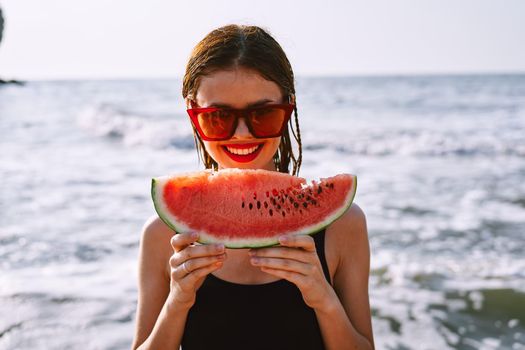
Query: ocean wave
[[422, 143], [132, 129]]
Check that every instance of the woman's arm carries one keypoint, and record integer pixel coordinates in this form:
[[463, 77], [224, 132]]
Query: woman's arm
[[153, 316], [343, 311], [167, 285], [345, 318]]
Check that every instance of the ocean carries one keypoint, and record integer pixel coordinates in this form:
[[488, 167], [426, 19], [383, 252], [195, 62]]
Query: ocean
[[441, 168]]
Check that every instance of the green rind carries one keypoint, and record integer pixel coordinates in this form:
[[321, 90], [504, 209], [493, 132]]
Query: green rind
[[157, 209], [268, 243]]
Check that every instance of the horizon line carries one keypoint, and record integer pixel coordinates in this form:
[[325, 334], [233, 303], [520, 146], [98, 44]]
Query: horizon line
[[297, 76]]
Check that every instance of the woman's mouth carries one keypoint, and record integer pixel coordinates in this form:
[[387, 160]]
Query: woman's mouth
[[243, 153]]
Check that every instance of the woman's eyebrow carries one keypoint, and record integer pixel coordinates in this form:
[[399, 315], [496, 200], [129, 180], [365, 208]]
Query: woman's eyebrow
[[251, 105]]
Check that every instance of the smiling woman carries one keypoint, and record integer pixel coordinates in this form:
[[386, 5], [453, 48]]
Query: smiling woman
[[307, 293]]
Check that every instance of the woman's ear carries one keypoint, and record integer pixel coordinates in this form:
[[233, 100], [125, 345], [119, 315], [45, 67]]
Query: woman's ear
[[188, 102]]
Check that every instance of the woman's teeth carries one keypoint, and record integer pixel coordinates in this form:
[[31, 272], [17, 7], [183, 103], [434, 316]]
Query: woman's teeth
[[242, 151]]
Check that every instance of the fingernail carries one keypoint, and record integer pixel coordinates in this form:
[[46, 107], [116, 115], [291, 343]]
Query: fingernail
[[194, 235], [220, 247], [251, 252], [255, 261], [284, 239]]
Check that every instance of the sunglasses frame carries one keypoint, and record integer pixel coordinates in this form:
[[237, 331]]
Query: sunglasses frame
[[239, 113]]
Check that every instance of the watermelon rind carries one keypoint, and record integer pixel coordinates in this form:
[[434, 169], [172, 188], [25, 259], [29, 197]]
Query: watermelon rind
[[238, 243]]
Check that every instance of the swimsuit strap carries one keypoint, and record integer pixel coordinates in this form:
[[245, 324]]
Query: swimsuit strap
[[319, 239]]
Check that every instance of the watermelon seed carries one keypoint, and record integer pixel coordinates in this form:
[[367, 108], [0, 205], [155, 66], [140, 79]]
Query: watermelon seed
[[258, 205], [271, 212], [265, 204], [242, 206], [274, 192], [278, 206], [296, 204], [284, 214], [300, 212], [304, 205], [319, 190], [267, 194], [291, 199], [251, 206]]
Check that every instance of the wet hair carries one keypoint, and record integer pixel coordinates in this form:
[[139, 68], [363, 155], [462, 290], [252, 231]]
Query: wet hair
[[250, 47]]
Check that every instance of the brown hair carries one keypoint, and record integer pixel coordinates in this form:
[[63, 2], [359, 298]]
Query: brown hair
[[250, 47]]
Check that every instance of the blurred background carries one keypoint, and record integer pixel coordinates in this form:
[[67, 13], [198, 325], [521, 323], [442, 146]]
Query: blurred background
[[424, 101]]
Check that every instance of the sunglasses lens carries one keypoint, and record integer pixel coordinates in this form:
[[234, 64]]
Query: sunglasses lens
[[216, 124], [267, 122]]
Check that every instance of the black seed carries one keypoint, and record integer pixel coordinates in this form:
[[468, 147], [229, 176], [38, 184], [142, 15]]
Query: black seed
[[284, 214], [314, 202], [273, 201], [242, 206], [265, 204], [300, 212], [251, 206], [304, 205], [258, 205], [300, 196], [319, 190], [278, 206], [296, 205], [291, 199], [271, 212]]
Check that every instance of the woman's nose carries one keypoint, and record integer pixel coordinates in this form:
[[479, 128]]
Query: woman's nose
[[242, 130]]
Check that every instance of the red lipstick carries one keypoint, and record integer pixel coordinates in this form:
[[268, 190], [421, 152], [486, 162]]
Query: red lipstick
[[243, 158]]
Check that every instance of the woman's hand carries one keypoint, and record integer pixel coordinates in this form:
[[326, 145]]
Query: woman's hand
[[296, 260], [189, 265]]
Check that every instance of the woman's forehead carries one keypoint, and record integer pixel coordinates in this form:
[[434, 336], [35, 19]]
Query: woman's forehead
[[236, 88]]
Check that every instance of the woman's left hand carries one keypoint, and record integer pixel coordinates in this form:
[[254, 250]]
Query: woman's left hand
[[296, 260]]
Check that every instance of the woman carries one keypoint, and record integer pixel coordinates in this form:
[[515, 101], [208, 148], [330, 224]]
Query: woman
[[308, 293]]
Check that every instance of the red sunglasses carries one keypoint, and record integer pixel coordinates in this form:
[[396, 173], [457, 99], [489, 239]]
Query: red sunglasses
[[219, 124]]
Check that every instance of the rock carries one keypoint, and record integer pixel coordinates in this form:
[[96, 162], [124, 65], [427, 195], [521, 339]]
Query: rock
[[15, 82]]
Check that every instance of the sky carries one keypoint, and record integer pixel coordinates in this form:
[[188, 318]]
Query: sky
[[97, 39]]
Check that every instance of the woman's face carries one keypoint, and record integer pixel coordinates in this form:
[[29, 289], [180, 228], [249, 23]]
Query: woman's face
[[240, 88]]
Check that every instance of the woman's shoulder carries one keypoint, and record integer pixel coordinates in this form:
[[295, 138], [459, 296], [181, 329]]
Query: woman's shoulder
[[347, 236], [352, 222], [155, 237]]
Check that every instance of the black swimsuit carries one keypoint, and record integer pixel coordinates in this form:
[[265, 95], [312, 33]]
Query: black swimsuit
[[273, 315]]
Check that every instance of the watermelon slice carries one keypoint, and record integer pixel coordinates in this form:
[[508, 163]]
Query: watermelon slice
[[249, 208]]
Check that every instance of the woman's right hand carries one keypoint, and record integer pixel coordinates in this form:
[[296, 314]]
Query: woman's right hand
[[189, 265]]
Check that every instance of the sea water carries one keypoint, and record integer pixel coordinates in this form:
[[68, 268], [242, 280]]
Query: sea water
[[441, 168]]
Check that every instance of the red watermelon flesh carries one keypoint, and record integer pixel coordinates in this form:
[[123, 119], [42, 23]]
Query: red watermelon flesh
[[249, 208]]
